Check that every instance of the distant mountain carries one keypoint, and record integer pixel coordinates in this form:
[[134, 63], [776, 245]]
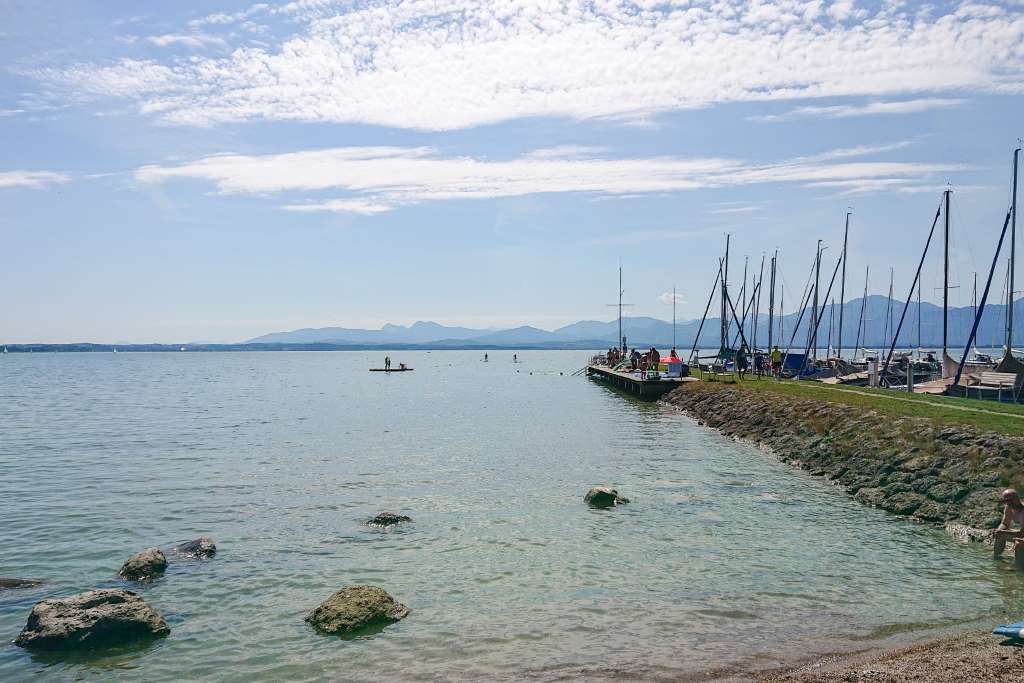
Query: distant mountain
[[417, 333], [880, 317], [518, 335]]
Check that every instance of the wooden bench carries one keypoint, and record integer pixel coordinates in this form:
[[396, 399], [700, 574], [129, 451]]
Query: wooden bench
[[997, 381]]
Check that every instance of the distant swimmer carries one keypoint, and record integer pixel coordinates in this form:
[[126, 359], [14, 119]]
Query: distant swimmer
[[515, 357], [485, 357]]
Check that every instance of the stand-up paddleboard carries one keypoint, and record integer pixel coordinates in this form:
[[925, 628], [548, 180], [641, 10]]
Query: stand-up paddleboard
[[1014, 630], [391, 369]]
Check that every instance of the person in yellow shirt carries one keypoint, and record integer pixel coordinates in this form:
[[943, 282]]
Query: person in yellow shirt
[[776, 362]]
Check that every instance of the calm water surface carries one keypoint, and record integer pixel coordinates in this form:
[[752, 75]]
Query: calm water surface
[[281, 456]]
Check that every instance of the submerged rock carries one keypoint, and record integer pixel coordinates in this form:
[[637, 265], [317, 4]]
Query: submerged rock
[[201, 547], [967, 534], [144, 565], [602, 497], [92, 619], [18, 583], [388, 519], [354, 608]]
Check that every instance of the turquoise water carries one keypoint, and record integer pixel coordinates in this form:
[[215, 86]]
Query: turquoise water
[[281, 456]]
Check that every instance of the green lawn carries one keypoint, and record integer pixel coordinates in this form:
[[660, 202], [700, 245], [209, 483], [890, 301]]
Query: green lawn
[[1007, 418]]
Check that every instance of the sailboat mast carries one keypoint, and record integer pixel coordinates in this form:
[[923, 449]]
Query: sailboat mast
[[757, 304], [814, 312], [831, 315], [863, 303], [673, 318], [1013, 256], [945, 279], [974, 298], [919, 317], [771, 302], [620, 307], [725, 295], [842, 287], [888, 321], [743, 299]]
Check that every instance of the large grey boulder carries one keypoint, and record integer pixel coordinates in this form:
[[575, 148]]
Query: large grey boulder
[[92, 619], [354, 608], [386, 519], [18, 583], [200, 547], [603, 497], [144, 565]]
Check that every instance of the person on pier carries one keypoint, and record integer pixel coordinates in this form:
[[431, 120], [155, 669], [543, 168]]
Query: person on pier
[[1013, 515]]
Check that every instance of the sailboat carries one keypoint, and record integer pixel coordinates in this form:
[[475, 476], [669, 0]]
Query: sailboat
[[948, 364], [1009, 363]]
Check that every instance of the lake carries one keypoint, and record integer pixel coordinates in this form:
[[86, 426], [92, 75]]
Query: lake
[[723, 557]]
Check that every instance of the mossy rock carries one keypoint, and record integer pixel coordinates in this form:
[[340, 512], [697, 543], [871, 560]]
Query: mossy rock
[[355, 608]]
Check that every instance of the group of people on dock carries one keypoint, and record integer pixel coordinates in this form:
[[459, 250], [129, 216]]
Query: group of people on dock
[[645, 362]]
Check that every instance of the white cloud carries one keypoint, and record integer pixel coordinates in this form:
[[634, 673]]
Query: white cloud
[[11, 112], [449, 64], [735, 209], [870, 109], [568, 152], [35, 180], [220, 18], [667, 297], [376, 179], [341, 206], [192, 40]]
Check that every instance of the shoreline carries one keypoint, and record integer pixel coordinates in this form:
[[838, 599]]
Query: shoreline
[[919, 469], [947, 475], [971, 655]]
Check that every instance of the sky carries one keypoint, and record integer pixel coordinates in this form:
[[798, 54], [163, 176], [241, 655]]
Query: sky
[[213, 171]]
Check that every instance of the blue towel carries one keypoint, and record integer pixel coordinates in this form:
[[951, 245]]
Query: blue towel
[[1015, 630]]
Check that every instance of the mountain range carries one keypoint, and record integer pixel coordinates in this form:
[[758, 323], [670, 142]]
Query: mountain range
[[880, 316]]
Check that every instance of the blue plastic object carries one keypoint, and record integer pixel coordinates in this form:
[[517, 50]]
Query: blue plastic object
[[1014, 630]]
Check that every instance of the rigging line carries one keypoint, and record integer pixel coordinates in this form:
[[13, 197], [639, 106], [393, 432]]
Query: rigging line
[[828, 293], [707, 309], [984, 298], [913, 286], [804, 300]]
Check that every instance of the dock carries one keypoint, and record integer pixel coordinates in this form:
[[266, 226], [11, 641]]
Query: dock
[[647, 389]]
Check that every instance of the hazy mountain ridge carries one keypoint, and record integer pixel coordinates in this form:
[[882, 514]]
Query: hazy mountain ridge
[[645, 331]]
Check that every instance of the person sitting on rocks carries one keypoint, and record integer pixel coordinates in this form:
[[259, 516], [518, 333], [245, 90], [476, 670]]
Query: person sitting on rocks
[[1013, 515]]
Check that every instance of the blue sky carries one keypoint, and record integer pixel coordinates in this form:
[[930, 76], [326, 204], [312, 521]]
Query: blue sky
[[214, 171]]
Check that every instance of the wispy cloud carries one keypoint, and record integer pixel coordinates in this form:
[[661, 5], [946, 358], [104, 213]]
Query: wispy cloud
[[359, 206], [424, 64], [376, 179], [34, 180], [897, 185], [568, 152], [735, 209], [668, 297], [192, 40], [843, 111]]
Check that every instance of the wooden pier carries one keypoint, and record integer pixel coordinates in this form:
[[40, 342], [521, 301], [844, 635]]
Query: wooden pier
[[647, 389]]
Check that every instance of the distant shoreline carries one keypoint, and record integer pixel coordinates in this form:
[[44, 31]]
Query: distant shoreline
[[85, 347]]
